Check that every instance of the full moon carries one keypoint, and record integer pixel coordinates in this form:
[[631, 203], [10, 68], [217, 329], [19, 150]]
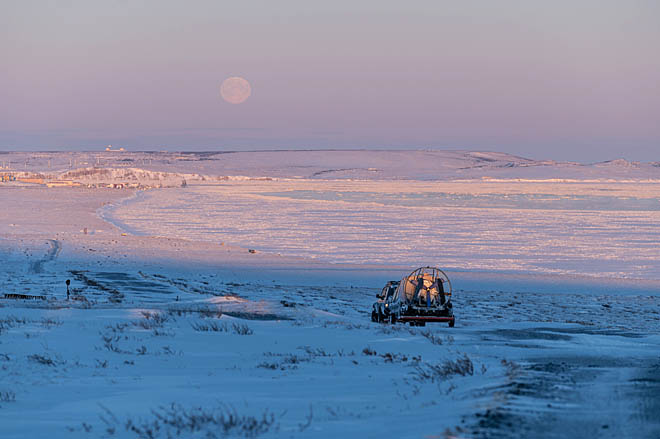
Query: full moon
[[235, 90]]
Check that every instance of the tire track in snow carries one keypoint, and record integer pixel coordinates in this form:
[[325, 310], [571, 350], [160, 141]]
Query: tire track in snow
[[51, 255]]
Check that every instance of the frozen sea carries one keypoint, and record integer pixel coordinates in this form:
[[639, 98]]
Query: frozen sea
[[596, 232]]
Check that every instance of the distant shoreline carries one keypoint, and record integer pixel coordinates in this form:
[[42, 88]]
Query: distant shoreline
[[105, 212]]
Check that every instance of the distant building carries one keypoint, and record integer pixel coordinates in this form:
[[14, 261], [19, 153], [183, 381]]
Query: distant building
[[62, 183], [109, 148], [31, 180]]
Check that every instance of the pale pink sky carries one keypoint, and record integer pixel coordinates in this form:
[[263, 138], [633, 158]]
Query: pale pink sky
[[564, 79]]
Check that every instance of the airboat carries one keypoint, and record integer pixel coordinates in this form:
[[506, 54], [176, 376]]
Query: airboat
[[422, 296]]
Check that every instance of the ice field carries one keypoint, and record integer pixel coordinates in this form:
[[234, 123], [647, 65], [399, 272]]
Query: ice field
[[513, 227]]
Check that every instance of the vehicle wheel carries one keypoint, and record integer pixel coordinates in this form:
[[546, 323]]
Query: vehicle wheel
[[421, 323], [393, 319], [374, 316], [451, 323]]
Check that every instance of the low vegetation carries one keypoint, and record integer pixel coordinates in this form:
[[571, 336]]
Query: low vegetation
[[176, 421], [441, 371], [210, 327], [45, 359], [7, 396]]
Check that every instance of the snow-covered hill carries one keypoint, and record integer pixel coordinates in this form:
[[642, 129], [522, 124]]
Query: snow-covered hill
[[425, 165]]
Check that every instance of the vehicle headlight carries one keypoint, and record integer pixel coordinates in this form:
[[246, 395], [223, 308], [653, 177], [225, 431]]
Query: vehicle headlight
[[386, 305]]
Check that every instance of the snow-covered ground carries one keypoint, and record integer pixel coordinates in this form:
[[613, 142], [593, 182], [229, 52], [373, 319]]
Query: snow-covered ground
[[175, 329], [291, 360]]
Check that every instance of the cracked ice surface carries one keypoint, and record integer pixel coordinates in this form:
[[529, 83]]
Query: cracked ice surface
[[596, 229]]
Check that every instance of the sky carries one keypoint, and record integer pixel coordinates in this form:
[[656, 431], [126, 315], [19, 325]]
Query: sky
[[565, 80]]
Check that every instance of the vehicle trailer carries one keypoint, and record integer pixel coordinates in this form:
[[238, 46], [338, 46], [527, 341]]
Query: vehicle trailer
[[422, 320], [422, 296]]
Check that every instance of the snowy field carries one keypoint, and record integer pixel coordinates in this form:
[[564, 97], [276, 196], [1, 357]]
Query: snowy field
[[175, 329]]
